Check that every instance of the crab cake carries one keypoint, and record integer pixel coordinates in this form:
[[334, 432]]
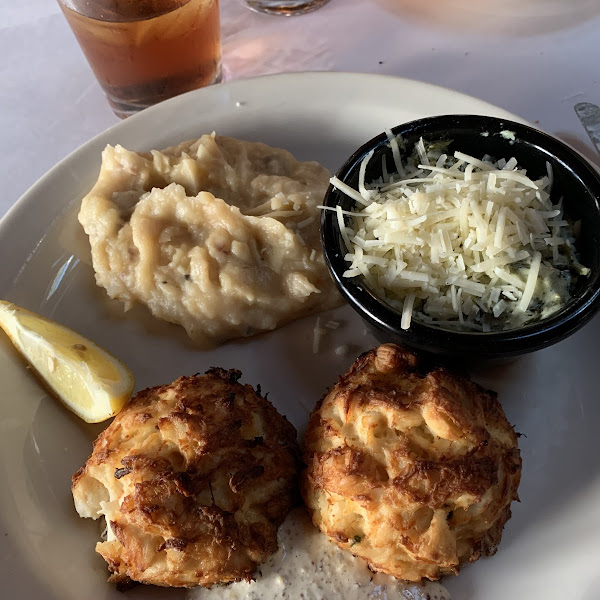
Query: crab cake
[[414, 471], [193, 478]]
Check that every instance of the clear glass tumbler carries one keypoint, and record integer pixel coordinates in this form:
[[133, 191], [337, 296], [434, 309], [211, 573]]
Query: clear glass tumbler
[[145, 51], [284, 7]]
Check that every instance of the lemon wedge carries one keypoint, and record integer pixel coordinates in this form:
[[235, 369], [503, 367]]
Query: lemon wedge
[[87, 379]]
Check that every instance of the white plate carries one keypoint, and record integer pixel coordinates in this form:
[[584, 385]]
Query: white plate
[[551, 546]]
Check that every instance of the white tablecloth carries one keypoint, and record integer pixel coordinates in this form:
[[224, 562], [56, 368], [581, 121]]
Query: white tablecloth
[[536, 58]]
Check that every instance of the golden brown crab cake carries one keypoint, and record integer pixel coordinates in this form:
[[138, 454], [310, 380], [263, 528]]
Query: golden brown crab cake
[[193, 478], [414, 471]]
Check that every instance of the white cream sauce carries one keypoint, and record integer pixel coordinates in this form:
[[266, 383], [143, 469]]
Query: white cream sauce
[[308, 566]]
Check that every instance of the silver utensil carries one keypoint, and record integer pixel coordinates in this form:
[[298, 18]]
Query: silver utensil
[[589, 115]]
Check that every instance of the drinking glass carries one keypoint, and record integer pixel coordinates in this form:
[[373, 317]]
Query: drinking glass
[[144, 51], [284, 7]]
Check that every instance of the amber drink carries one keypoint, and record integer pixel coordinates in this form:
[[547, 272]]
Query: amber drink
[[145, 51]]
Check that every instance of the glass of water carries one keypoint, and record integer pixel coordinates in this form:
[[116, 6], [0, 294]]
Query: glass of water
[[286, 8]]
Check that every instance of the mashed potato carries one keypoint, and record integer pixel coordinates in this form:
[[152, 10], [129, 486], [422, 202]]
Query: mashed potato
[[218, 235]]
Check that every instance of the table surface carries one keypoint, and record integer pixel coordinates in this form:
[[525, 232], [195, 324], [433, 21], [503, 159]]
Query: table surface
[[531, 57]]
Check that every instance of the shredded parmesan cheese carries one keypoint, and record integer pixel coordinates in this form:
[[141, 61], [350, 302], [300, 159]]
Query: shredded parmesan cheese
[[317, 334], [458, 240], [534, 269]]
